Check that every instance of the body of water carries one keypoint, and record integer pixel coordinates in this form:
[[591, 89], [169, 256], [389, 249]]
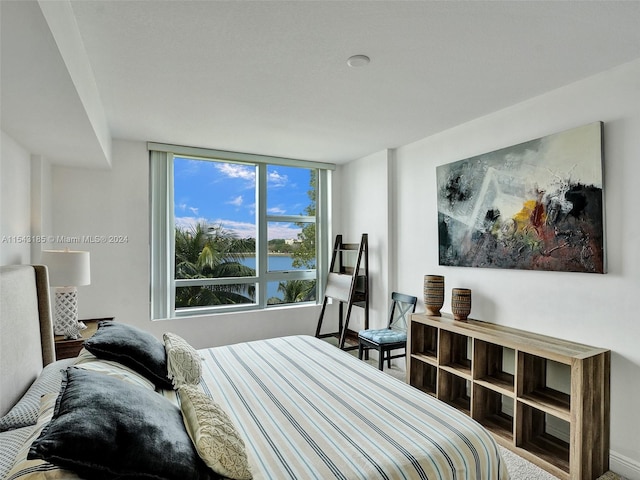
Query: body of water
[[276, 262]]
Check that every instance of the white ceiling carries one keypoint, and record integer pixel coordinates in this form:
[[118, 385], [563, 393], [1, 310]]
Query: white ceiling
[[271, 77]]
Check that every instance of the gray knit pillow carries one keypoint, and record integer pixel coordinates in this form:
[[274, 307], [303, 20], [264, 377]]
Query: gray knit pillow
[[25, 412]]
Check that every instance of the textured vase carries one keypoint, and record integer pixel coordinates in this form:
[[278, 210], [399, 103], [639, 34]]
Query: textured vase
[[433, 294], [461, 303]]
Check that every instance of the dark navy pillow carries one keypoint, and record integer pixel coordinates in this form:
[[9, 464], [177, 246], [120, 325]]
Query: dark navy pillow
[[132, 347], [104, 428]]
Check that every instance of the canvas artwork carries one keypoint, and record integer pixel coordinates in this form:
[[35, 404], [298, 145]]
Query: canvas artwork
[[535, 206]]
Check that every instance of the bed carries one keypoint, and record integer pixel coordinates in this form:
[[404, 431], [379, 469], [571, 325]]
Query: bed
[[283, 408]]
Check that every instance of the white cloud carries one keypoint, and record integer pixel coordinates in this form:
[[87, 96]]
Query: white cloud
[[241, 229], [285, 230], [236, 201], [276, 211], [277, 180], [187, 223], [237, 171], [184, 206]]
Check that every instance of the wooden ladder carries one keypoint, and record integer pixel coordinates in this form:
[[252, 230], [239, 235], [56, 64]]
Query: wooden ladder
[[348, 283]]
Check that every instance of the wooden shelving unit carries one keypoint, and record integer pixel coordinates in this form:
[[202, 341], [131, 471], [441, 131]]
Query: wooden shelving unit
[[544, 398]]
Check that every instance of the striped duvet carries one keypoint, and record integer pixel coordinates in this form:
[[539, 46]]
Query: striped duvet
[[308, 410]]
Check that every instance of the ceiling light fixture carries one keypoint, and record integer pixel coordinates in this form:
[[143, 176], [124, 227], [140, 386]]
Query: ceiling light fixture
[[358, 61]]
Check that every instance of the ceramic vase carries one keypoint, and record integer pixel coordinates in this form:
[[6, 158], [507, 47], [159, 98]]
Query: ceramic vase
[[433, 294], [461, 303]]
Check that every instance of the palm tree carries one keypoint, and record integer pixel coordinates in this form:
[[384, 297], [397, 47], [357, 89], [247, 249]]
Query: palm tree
[[211, 252], [295, 291]]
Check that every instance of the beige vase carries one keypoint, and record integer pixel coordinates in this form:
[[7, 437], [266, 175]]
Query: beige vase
[[461, 303], [433, 294]]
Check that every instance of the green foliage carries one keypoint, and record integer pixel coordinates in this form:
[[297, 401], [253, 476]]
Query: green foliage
[[211, 252], [279, 245], [305, 254], [295, 291]]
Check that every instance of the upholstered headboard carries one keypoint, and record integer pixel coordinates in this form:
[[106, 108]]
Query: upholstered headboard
[[26, 331]]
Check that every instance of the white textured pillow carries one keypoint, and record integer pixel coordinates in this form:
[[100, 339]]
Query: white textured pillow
[[212, 432], [184, 364]]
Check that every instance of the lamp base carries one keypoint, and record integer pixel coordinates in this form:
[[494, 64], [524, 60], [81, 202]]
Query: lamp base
[[65, 319]]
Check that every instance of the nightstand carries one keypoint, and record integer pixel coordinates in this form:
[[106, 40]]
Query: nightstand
[[71, 348]]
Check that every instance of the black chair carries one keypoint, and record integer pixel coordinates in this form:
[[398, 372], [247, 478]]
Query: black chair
[[394, 336]]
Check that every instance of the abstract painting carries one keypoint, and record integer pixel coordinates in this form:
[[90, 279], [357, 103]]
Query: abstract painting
[[538, 205]]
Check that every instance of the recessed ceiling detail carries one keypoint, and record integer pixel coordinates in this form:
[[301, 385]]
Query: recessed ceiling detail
[[358, 61]]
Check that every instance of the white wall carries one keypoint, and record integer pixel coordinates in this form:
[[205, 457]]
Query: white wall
[[15, 202], [364, 208], [589, 308], [115, 202], [41, 211]]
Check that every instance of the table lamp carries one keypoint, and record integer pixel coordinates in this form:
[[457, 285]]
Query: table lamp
[[68, 269]]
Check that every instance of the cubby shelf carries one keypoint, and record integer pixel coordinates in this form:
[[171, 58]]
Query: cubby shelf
[[426, 358], [544, 398], [489, 410]]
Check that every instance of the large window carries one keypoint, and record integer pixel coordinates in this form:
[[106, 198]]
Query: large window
[[234, 231]]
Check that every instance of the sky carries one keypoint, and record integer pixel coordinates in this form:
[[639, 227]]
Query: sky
[[224, 193]]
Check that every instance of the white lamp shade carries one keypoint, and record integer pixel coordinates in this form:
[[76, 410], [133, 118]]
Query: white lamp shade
[[67, 268]]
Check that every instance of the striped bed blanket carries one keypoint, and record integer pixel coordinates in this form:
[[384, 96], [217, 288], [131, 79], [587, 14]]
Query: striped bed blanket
[[308, 410]]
